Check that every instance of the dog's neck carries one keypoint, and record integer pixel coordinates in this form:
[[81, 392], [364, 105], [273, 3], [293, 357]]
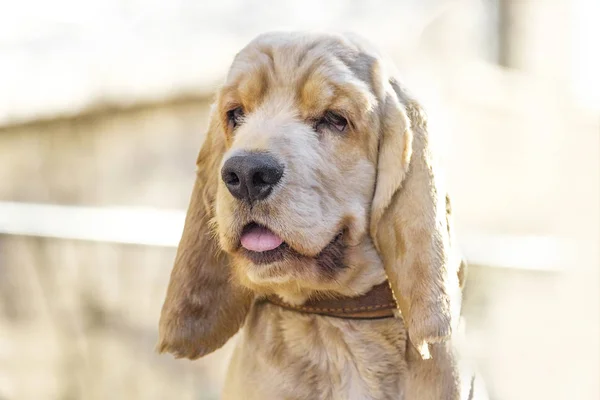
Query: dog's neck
[[378, 302], [352, 358]]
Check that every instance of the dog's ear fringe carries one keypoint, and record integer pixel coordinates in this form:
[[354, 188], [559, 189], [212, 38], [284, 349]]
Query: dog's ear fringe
[[409, 223], [203, 308]]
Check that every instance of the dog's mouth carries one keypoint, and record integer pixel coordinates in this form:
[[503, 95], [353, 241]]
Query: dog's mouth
[[259, 239], [263, 246]]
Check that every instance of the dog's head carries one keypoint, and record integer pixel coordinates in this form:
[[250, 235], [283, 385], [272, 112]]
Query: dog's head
[[314, 175]]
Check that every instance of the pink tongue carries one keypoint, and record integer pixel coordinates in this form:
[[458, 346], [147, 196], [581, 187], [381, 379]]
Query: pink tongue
[[260, 239]]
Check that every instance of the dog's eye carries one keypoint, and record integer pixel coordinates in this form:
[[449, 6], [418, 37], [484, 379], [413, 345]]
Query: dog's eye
[[235, 117], [332, 120]]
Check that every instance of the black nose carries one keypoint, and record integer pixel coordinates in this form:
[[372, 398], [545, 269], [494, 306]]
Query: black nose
[[251, 176]]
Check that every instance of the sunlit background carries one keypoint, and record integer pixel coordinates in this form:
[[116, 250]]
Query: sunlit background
[[103, 107]]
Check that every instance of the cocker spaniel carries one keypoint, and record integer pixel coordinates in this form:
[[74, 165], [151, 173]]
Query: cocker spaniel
[[318, 207]]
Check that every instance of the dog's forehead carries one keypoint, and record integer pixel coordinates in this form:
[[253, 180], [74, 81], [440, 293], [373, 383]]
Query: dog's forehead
[[289, 56]]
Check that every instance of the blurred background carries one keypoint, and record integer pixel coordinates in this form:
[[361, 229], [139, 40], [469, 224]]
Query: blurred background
[[103, 107]]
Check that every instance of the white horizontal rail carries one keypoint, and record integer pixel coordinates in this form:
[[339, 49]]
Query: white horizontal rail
[[144, 226], [154, 227]]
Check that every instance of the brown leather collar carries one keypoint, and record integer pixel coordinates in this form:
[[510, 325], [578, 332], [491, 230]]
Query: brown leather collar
[[376, 303]]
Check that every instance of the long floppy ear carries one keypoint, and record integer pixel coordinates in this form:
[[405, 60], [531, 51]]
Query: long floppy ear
[[409, 223], [203, 307]]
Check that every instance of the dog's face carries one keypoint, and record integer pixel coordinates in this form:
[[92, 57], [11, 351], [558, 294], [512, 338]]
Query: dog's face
[[315, 176], [298, 175]]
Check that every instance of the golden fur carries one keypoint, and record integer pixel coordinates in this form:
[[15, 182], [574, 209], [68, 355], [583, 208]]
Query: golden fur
[[376, 183]]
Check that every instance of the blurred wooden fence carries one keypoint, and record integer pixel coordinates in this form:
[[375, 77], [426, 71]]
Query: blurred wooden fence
[[78, 319]]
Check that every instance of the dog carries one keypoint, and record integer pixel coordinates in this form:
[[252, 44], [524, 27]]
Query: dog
[[317, 209]]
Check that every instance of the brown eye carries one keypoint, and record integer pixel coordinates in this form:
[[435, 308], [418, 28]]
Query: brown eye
[[235, 117], [333, 121]]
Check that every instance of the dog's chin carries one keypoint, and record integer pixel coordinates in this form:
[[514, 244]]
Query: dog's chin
[[270, 259], [278, 254]]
